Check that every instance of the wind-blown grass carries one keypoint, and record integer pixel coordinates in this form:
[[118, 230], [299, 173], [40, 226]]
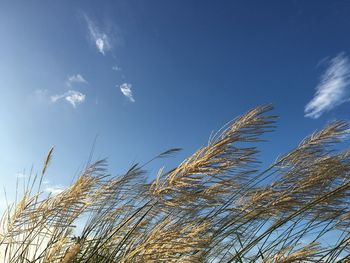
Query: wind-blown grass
[[213, 207]]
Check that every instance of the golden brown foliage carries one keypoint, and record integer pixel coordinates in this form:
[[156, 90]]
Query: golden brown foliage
[[218, 205]]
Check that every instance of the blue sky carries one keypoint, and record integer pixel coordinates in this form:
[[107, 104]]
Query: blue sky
[[146, 76]]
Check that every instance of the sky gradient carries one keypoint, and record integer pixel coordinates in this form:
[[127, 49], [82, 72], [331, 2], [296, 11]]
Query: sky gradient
[[146, 76]]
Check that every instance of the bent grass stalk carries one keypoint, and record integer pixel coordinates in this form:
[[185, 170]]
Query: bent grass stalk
[[216, 206]]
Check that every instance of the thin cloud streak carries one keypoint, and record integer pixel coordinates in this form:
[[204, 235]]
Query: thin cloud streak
[[78, 78], [125, 88], [333, 88], [100, 39], [72, 96], [55, 189]]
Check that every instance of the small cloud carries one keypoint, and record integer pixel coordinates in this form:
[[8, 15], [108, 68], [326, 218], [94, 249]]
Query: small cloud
[[100, 39], [75, 98], [125, 88], [76, 79], [55, 189], [333, 88], [116, 68], [72, 96]]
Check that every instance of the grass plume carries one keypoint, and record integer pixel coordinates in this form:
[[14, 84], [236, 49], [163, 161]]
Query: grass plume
[[219, 205]]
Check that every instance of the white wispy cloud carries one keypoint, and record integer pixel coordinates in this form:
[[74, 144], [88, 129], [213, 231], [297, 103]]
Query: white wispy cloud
[[100, 38], [333, 88], [54, 189], [78, 78], [72, 96], [125, 88]]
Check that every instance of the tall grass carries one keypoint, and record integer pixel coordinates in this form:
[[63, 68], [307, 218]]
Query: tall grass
[[218, 205]]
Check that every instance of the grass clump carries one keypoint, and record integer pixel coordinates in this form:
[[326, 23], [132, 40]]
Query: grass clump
[[218, 205]]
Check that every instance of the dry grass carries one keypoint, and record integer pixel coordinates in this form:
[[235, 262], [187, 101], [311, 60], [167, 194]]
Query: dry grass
[[216, 206]]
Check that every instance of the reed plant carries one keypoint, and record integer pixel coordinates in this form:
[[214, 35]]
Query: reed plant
[[219, 205]]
